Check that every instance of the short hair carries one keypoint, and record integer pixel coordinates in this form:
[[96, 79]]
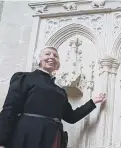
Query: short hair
[[38, 53]]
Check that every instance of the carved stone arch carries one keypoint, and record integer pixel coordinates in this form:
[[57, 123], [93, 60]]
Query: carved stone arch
[[58, 39], [116, 51], [68, 31]]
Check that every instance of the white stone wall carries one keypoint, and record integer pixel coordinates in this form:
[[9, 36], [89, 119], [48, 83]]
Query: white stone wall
[[15, 32], [1, 8]]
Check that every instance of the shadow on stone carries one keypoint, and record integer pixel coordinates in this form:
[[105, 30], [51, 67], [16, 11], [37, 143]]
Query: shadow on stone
[[74, 93]]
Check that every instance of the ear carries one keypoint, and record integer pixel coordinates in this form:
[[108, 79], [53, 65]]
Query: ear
[[40, 63]]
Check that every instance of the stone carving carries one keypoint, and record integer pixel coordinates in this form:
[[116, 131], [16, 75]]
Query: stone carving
[[53, 25], [94, 22], [97, 23], [90, 84], [116, 50], [109, 64], [70, 6], [73, 76], [75, 42], [98, 3], [41, 9], [117, 22]]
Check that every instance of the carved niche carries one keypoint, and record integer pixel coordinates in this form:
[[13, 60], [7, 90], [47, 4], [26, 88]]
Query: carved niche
[[71, 74]]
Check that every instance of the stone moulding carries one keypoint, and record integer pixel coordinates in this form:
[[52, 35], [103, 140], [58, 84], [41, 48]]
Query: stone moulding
[[109, 64], [73, 7], [68, 31]]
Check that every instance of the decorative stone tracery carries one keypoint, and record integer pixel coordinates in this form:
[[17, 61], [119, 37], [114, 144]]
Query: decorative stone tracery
[[67, 21], [93, 22]]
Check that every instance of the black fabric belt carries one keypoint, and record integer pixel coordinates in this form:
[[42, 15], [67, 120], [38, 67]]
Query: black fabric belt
[[42, 116]]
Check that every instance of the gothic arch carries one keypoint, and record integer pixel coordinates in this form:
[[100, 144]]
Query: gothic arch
[[68, 31]]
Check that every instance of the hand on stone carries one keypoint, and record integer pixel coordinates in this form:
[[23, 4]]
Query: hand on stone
[[101, 98]]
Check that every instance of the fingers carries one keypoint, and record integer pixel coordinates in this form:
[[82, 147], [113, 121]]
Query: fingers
[[100, 98], [102, 95], [104, 100]]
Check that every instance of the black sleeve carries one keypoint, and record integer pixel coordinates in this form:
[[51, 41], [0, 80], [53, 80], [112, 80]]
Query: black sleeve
[[73, 116], [12, 105]]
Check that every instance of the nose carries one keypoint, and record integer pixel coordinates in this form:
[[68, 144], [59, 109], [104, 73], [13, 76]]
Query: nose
[[52, 55]]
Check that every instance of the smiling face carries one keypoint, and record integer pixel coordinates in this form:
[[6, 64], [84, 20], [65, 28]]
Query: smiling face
[[49, 59]]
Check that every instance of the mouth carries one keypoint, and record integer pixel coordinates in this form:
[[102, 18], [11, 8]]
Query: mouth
[[51, 62]]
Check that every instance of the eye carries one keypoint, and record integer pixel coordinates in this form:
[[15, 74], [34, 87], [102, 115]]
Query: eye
[[47, 53], [55, 55]]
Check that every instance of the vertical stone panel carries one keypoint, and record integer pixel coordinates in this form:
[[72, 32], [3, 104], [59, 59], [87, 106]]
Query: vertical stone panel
[[15, 32], [1, 8]]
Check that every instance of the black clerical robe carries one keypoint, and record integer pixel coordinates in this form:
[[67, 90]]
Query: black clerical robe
[[35, 93]]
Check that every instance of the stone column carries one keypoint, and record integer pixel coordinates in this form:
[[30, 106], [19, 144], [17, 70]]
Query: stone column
[[109, 68], [105, 66], [111, 99]]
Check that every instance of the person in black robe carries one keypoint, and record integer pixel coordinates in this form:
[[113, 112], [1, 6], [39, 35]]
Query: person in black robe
[[32, 104]]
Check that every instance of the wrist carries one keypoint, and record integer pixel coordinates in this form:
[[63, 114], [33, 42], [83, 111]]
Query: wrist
[[94, 101]]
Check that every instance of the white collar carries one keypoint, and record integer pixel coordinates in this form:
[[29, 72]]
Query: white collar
[[56, 81], [45, 72]]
